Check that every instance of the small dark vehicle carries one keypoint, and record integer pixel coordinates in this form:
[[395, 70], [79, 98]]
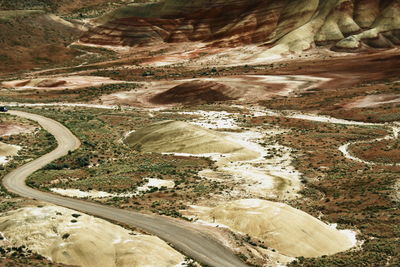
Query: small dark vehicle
[[3, 109]]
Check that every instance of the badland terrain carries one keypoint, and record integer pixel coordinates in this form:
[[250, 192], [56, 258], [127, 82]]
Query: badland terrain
[[200, 133]]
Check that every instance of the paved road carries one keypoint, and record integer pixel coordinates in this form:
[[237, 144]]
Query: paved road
[[198, 245]]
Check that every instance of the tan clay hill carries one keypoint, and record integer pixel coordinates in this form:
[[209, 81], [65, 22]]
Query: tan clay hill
[[68, 237], [182, 137], [284, 26], [290, 231]]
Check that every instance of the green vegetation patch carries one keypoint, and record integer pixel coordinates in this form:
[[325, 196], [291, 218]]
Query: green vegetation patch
[[105, 163], [352, 194]]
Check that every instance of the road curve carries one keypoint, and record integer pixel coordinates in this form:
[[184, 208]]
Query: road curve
[[198, 245]]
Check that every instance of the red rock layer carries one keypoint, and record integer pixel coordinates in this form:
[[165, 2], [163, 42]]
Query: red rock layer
[[235, 22], [240, 22], [195, 92]]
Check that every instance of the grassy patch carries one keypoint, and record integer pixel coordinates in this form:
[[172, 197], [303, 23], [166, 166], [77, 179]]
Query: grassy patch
[[105, 163], [351, 194], [67, 95]]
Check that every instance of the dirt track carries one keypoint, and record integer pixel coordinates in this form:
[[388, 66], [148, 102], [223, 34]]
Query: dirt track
[[196, 244]]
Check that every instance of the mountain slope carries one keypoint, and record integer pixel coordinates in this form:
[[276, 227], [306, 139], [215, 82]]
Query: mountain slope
[[30, 38], [285, 25]]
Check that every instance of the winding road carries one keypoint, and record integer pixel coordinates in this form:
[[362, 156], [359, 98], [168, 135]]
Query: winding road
[[198, 245]]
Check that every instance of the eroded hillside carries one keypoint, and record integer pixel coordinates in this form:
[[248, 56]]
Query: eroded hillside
[[32, 38], [286, 25], [240, 132]]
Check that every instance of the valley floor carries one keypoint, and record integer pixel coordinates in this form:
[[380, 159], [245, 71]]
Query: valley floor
[[306, 140]]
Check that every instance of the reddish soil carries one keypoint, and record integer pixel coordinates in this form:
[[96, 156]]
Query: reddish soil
[[51, 83], [379, 114], [61, 83], [14, 128], [352, 78], [33, 39], [387, 151], [347, 71], [194, 92], [243, 88]]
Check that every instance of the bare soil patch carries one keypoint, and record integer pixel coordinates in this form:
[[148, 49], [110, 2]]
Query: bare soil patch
[[69, 237], [290, 231], [373, 100], [194, 93], [59, 83]]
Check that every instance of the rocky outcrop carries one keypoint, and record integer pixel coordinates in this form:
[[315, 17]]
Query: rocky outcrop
[[338, 23], [383, 32], [288, 25]]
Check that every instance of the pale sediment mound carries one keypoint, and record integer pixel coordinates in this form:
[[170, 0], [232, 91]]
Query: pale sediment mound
[[181, 137], [67, 82], [290, 231], [51, 83], [41, 83], [68, 237], [7, 129], [8, 150], [373, 100], [196, 92]]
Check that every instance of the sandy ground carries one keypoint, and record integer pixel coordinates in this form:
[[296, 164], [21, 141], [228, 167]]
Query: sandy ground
[[7, 152], [14, 129], [373, 100], [65, 236], [118, 49], [60, 83], [94, 194], [244, 55], [271, 174]]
